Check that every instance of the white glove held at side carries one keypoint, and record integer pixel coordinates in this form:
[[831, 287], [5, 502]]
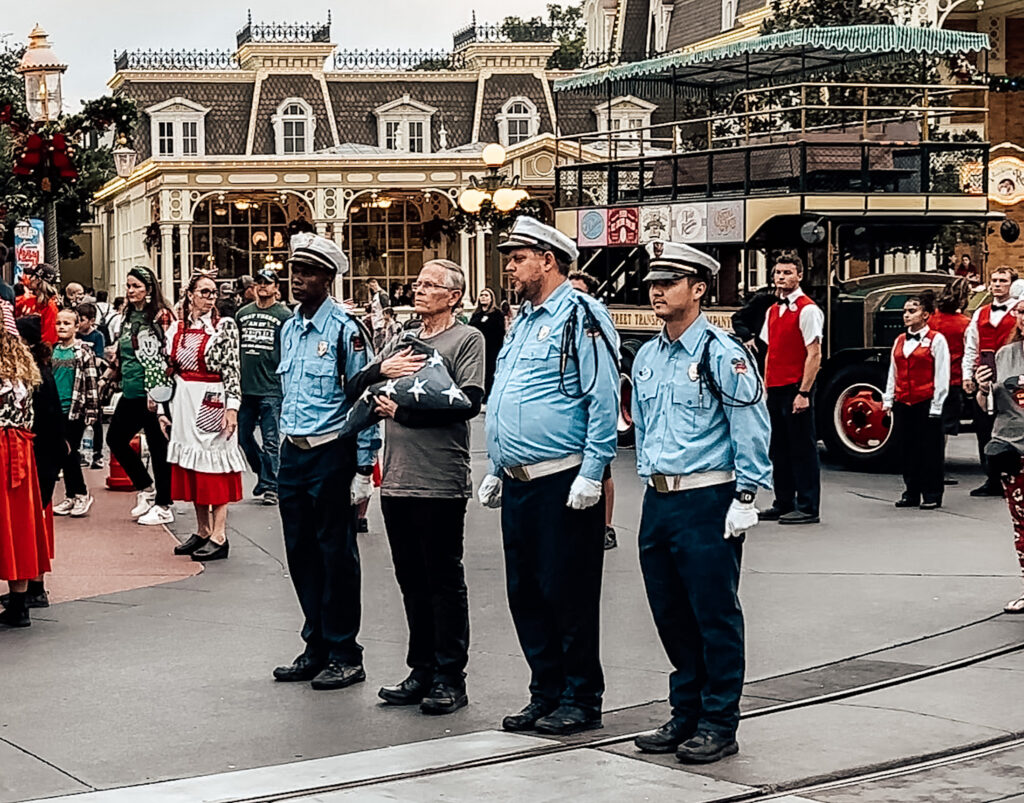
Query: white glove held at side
[[740, 518], [362, 488], [489, 492], [584, 493]]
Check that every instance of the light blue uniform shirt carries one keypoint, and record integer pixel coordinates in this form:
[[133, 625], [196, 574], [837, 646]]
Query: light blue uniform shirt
[[681, 428], [314, 395], [529, 420]]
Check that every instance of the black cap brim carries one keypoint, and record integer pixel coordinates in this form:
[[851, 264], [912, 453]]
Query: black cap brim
[[667, 275]]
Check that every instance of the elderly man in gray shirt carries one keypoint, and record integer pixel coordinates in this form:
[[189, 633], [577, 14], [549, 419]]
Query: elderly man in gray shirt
[[425, 485]]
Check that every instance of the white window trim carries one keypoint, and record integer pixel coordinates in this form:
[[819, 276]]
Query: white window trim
[[532, 118], [641, 111], [403, 111], [159, 114], [661, 17], [278, 121], [729, 8]]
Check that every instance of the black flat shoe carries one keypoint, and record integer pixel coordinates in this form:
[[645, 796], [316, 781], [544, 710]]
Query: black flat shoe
[[908, 501], [337, 675], [191, 545], [301, 669], [930, 504], [211, 551], [527, 718], [798, 517], [771, 514], [444, 699], [40, 600], [665, 739], [988, 489], [410, 691], [567, 719], [706, 747]]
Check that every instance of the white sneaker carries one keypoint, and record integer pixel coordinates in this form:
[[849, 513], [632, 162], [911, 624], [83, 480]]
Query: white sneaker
[[64, 508], [82, 505], [157, 515], [144, 501]]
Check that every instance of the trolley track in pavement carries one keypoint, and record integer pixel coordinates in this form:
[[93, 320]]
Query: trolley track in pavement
[[845, 777]]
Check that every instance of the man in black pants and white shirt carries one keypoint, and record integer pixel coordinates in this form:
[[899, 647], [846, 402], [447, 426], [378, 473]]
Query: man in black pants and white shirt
[[425, 484]]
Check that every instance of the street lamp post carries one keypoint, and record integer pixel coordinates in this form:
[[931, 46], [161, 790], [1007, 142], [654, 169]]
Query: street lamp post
[[44, 99], [493, 187], [124, 157]]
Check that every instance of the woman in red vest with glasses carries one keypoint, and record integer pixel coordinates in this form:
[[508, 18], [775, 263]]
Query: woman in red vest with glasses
[[918, 385]]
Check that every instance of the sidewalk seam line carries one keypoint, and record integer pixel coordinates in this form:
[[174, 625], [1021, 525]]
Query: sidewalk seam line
[[49, 764]]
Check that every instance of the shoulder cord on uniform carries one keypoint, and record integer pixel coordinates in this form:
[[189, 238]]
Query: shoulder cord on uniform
[[569, 350], [707, 377]]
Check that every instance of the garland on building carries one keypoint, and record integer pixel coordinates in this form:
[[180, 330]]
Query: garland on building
[[490, 217]]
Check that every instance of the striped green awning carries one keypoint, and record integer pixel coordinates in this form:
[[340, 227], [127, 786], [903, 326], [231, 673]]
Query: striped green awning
[[778, 54]]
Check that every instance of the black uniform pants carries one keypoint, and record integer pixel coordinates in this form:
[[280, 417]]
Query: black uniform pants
[[921, 450], [130, 417], [794, 453], [692, 577], [554, 557], [983, 422], [74, 480], [426, 547], [320, 542]]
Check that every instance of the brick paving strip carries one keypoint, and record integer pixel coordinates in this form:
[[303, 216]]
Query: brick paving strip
[[107, 551]]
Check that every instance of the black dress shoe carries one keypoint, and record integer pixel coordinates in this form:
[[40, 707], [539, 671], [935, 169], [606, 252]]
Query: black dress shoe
[[211, 551], [444, 699], [337, 675], [410, 691], [666, 738], [568, 719], [988, 489], [931, 504], [302, 668], [15, 612], [908, 501], [705, 747], [362, 526], [526, 719], [798, 517], [771, 514], [191, 545]]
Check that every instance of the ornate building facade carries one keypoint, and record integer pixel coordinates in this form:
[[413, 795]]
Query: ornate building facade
[[370, 148]]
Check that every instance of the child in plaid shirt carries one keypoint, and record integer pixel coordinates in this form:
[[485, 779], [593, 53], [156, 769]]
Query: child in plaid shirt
[[74, 370]]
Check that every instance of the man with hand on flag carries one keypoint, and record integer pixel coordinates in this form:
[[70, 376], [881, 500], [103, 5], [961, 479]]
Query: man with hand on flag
[[426, 483], [551, 430]]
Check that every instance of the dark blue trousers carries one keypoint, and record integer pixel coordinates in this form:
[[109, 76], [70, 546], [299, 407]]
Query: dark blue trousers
[[320, 542], [692, 576], [553, 562]]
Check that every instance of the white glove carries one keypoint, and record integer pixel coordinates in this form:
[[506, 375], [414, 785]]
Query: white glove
[[740, 518], [489, 492], [584, 493], [362, 488]]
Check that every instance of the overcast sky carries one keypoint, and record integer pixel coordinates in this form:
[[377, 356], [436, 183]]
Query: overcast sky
[[85, 34]]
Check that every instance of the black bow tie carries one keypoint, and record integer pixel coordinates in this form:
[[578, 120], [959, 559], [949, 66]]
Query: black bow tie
[[914, 337], [782, 302], [999, 307]]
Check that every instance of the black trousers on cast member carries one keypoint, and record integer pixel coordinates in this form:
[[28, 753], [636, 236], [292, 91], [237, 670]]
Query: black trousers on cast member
[[794, 453], [319, 527], [554, 557], [426, 538], [921, 448], [983, 431]]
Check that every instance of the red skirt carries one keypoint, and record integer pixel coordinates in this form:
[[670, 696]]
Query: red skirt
[[203, 488], [24, 544]]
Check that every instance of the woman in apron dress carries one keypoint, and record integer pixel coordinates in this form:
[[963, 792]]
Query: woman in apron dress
[[206, 461]]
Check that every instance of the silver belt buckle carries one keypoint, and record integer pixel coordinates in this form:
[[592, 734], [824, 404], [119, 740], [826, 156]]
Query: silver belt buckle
[[519, 473], [660, 483]]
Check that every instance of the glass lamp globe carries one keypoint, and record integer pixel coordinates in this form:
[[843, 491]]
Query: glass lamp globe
[[493, 155]]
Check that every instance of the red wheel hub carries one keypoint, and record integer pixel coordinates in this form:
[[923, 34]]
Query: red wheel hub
[[864, 423], [625, 403]]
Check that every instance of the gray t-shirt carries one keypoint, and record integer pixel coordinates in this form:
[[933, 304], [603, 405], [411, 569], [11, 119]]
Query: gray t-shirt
[[433, 462], [1008, 396]]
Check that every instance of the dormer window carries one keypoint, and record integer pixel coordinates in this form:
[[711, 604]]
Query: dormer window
[[403, 125], [177, 128], [628, 115], [728, 14], [294, 125], [518, 121]]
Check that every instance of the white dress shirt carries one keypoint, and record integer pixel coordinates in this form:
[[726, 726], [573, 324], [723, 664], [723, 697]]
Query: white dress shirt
[[812, 319], [940, 354], [971, 335]]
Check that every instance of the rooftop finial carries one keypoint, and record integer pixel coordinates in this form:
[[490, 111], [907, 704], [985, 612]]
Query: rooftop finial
[[249, 16], [474, 17]]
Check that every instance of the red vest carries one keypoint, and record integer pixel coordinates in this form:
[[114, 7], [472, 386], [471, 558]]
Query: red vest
[[953, 327], [915, 375], [787, 352], [993, 338]]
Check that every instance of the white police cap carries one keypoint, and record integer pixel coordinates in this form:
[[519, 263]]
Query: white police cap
[[312, 249], [528, 232], [670, 261]]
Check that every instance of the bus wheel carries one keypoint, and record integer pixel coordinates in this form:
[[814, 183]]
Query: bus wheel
[[627, 353], [857, 431]]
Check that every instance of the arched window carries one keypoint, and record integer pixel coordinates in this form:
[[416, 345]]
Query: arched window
[[294, 125], [518, 121]]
